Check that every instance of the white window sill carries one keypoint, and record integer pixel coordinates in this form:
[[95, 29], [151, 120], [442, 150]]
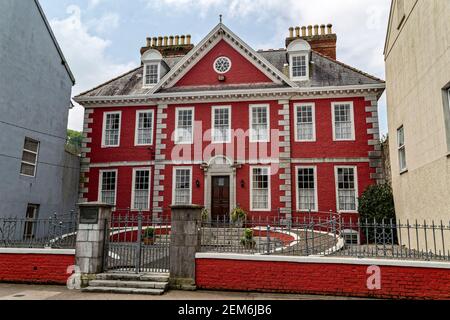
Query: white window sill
[[108, 147], [143, 145]]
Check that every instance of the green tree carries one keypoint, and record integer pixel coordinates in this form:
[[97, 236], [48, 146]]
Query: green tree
[[74, 140]]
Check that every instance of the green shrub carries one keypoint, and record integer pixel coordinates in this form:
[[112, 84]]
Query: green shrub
[[238, 215], [377, 202], [247, 241], [149, 233]]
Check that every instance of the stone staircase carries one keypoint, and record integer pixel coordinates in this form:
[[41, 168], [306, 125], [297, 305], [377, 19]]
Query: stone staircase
[[123, 283]]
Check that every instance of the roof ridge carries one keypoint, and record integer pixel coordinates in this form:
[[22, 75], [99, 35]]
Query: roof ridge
[[349, 67], [107, 82]]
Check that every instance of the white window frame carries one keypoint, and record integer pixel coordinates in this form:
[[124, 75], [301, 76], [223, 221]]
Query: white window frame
[[29, 163], [352, 116], [174, 183], [297, 106], [213, 118], [136, 130], [133, 188], [253, 106], [177, 110], [401, 148], [269, 189], [316, 208], [291, 65], [336, 178], [158, 66], [104, 129], [222, 72], [100, 184]]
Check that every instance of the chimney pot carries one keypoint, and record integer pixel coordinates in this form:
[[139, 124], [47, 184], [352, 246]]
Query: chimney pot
[[183, 38], [303, 31], [316, 30], [297, 32], [291, 32], [171, 40], [166, 41], [330, 28], [322, 29], [310, 31], [188, 39], [177, 40], [149, 42], [160, 41], [154, 42]]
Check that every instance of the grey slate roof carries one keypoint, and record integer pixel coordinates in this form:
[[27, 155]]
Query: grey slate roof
[[325, 72]]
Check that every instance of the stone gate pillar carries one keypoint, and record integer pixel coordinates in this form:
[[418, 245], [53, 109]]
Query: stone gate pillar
[[184, 244], [94, 221]]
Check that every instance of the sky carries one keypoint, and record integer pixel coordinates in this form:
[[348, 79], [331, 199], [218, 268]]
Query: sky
[[101, 39]]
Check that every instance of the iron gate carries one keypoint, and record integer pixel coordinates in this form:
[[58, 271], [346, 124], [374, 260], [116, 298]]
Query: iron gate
[[137, 243]]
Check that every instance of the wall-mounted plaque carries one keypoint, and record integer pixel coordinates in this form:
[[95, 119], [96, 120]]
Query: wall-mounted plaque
[[89, 215]]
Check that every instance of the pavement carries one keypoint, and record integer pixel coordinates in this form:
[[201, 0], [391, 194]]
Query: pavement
[[42, 292]]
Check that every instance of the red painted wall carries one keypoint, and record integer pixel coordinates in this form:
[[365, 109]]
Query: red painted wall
[[124, 185], [321, 279], [242, 71], [127, 150], [35, 268], [324, 145]]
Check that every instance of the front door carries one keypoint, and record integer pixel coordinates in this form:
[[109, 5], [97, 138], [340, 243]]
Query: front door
[[220, 202]]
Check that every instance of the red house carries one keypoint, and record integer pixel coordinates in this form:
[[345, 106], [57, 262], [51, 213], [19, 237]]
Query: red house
[[278, 132]]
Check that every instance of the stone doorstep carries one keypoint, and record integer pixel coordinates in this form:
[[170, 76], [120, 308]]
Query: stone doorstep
[[129, 284], [153, 277], [153, 292]]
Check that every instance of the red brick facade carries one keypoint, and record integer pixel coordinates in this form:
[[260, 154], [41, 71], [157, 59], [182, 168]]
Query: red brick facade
[[397, 282]]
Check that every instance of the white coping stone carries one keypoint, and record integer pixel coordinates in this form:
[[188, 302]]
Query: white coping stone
[[37, 251], [326, 260]]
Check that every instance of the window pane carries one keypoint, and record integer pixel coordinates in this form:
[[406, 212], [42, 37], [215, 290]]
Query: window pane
[[184, 130], [112, 128], [343, 122], [306, 189], [347, 189], [151, 74], [299, 66], [260, 188], [182, 186], [27, 169], [401, 148], [31, 145], [141, 189], [108, 191], [305, 123], [145, 128], [260, 124], [29, 157], [221, 129]]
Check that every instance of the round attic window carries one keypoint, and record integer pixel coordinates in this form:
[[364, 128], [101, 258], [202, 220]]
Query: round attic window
[[222, 65]]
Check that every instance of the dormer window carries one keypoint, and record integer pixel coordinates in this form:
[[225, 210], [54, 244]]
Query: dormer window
[[151, 74], [152, 61], [299, 66], [299, 52]]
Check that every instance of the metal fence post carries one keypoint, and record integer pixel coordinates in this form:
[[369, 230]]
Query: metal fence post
[[139, 243], [268, 240]]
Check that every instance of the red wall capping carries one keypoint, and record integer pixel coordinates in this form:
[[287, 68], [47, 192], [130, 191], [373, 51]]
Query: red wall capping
[[35, 268], [322, 279]]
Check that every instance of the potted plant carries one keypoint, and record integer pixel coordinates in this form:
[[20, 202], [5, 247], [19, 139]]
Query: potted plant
[[205, 215], [149, 236], [238, 216], [247, 241]]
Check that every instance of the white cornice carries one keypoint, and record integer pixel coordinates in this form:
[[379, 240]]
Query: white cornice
[[210, 96]]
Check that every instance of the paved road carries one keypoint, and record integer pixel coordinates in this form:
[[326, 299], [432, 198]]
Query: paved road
[[38, 292]]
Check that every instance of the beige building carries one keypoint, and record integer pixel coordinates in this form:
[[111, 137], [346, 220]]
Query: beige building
[[417, 55]]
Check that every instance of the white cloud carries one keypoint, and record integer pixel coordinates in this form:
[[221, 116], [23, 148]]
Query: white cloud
[[105, 23], [86, 55]]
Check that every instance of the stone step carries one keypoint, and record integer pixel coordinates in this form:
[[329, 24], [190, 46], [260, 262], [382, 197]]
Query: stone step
[[154, 292], [129, 284], [152, 277]]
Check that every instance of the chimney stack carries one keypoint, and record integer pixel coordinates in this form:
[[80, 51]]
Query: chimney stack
[[169, 46], [320, 37]]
